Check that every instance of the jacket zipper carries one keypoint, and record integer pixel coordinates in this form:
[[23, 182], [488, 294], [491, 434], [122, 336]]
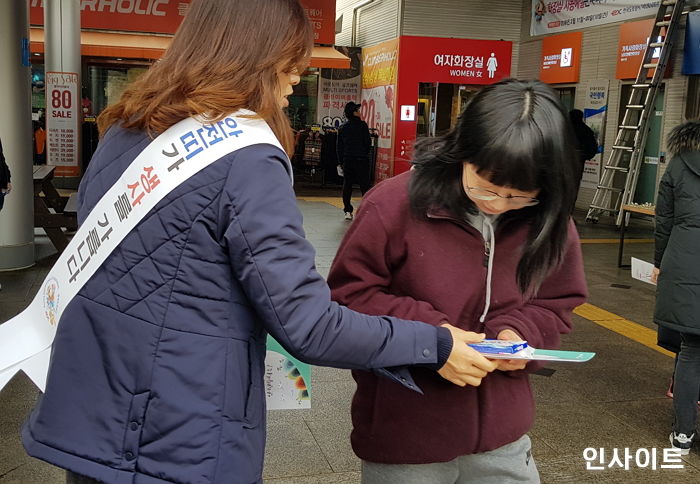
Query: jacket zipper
[[487, 254]]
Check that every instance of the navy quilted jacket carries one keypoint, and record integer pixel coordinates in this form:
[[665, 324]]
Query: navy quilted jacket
[[157, 367]]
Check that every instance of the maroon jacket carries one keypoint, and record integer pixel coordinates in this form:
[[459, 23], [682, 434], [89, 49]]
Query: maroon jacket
[[390, 262]]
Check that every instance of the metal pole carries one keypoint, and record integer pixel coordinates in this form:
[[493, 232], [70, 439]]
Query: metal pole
[[17, 216]]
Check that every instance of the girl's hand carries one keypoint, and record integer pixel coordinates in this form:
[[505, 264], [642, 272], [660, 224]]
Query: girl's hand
[[510, 365]]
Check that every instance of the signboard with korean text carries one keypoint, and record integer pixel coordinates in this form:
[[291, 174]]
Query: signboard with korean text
[[595, 107], [322, 16], [561, 58], [551, 16], [462, 62], [62, 122], [165, 16], [379, 71], [631, 48], [337, 87]]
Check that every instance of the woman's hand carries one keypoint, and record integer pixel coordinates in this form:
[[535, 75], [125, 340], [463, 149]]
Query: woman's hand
[[510, 365], [465, 365]]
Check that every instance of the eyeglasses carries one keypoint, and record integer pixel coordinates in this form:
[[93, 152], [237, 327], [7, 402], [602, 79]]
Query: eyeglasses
[[489, 196]]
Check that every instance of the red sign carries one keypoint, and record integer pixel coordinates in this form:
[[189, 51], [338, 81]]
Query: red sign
[[631, 48], [164, 16], [160, 16], [436, 59], [561, 58], [321, 13]]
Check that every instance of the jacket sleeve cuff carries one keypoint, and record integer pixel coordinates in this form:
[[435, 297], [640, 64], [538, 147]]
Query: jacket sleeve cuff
[[444, 348]]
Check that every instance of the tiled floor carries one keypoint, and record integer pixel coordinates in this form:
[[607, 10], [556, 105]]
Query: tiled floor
[[616, 401]]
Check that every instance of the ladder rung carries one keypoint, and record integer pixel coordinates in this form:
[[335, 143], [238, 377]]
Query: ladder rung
[[656, 44], [652, 65], [666, 3], [641, 86], [635, 106], [629, 127], [607, 209], [663, 23], [623, 148], [617, 168], [612, 189]]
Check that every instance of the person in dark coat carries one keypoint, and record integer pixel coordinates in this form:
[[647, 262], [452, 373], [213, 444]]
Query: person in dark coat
[[677, 272], [157, 368], [354, 145], [5, 178], [586, 146]]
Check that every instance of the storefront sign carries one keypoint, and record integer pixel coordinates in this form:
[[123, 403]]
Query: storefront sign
[[62, 118], [322, 16], [691, 50], [379, 74], [165, 16], [561, 56], [550, 16], [595, 108], [462, 62], [337, 87], [457, 61], [631, 47]]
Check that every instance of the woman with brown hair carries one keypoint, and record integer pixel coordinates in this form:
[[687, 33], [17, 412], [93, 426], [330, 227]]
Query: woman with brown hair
[[157, 365]]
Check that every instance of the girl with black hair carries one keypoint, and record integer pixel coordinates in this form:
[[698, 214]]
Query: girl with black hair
[[479, 235]]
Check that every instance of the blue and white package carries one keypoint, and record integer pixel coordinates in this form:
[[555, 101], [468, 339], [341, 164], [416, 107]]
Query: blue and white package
[[496, 346]]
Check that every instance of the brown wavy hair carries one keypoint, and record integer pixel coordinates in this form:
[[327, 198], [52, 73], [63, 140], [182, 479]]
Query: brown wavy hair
[[226, 56]]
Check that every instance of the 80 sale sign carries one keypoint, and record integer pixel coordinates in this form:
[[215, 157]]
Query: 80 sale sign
[[62, 118]]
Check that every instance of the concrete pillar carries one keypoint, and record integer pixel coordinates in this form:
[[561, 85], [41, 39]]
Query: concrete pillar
[[17, 217]]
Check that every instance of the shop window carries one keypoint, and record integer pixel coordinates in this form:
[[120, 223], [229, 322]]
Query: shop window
[[567, 96], [303, 102], [105, 85]]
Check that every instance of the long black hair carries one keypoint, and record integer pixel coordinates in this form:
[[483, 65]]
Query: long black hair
[[516, 134]]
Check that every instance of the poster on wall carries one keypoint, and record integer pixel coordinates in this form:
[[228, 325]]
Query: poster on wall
[[336, 87], [550, 16], [595, 107], [379, 70], [62, 118]]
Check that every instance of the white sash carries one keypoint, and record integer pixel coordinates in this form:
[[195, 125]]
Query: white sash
[[170, 159]]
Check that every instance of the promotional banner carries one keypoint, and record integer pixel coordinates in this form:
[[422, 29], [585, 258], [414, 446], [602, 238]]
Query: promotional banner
[[379, 71], [595, 107], [336, 87], [561, 58], [62, 121], [550, 16]]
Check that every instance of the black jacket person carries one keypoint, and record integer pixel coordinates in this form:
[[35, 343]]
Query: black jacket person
[[353, 154]]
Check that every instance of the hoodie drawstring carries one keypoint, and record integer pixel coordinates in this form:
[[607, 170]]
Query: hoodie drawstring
[[489, 238]]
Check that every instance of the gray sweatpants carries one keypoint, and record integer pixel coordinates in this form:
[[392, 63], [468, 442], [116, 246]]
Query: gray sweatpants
[[508, 464]]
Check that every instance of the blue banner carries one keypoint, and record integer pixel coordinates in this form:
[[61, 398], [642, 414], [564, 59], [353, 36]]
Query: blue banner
[[691, 55]]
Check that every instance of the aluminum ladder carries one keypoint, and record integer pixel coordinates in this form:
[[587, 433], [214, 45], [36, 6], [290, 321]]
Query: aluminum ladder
[[628, 150]]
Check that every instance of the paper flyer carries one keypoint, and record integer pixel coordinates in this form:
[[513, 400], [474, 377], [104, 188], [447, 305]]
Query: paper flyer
[[642, 270]]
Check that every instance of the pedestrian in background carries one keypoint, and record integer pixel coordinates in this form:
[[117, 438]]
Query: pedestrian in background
[[157, 368], [677, 273], [586, 143], [479, 235], [5, 178], [354, 145]]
